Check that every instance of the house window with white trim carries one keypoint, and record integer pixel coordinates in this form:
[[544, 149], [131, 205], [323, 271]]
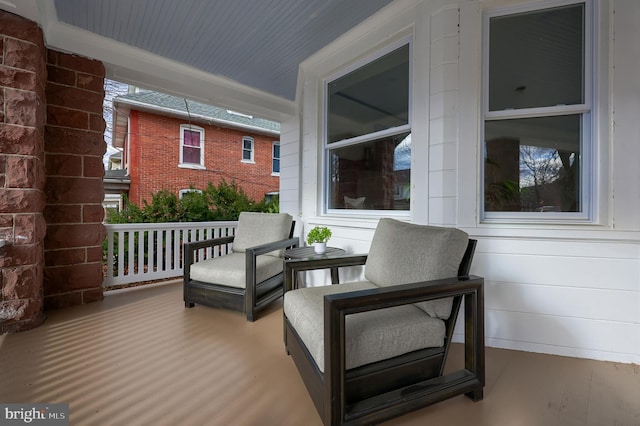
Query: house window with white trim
[[191, 146], [183, 192], [275, 158], [538, 115], [368, 134], [247, 149]]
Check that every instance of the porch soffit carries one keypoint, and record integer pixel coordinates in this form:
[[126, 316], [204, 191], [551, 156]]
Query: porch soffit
[[240, 54]]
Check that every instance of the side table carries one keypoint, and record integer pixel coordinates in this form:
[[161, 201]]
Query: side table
[[309, 253]]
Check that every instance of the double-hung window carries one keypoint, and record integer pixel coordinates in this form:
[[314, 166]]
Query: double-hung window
[[191, 146], [247, 149], [367, 134], [275, 159], [538, 113]]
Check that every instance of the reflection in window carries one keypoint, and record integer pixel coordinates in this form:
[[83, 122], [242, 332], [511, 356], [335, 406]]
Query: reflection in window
[[536, 58], [537, 113], [532, 165], [368, 135], [372, 176]]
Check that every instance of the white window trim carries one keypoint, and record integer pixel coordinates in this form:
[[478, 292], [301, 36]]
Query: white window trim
[[359, 139], [253, 149], [588, 189], [192, 128], [182, 192], [273, 144]]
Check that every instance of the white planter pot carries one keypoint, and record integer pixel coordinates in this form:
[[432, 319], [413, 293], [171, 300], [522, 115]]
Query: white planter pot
[[320, 248]]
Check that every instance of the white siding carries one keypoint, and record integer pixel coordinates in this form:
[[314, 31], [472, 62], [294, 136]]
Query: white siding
[[564, 289], [290, 167]]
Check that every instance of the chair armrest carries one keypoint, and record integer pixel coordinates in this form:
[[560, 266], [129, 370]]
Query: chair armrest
[[269, 247], [251, 254], [337, 306], [403, 294], [293, 266], [196, 245]]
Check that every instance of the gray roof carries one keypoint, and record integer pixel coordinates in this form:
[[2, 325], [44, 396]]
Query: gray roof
[[172, 105]]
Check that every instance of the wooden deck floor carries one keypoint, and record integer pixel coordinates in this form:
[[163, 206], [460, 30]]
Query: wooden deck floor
[[140, 358]]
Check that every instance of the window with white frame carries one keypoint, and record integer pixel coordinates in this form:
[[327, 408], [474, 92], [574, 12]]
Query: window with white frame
[[275, 158], [247, 149], [368, 134], [183, 192], [191, 146], [538, 112]]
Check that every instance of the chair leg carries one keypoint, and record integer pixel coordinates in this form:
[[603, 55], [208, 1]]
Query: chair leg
[[475, 395]]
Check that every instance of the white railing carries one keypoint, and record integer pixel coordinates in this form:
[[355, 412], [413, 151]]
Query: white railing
[[149, 251]]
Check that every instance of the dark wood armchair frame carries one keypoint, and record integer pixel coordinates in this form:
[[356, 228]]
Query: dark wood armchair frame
[[249, 300], [379, 391]]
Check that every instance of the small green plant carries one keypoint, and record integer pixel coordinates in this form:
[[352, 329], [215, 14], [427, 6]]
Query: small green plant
[[319, 234]]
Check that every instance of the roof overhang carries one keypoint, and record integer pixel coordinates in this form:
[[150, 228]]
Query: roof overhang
[[253, 69], [144, 69]]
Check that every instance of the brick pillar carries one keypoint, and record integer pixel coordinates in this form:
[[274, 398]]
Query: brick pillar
[[22, 178], [74, 147]]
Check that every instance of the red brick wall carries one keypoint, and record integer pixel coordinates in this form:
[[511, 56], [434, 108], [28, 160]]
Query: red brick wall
[[51, 191], [22, 178], [155, 156], [74, 147]]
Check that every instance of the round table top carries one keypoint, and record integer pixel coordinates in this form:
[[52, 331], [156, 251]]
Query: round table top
[[309, 253]]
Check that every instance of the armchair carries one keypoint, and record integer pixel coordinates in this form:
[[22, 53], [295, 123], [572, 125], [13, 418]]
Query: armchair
[[248, 278], [371, 350]]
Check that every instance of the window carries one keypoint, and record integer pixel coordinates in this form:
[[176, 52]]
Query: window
[[275, 160], [183, 192], [191, 146], [368, 134], [247, 149], [537, 113]]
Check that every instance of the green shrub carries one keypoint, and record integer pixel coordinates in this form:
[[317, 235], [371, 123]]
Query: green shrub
[[222, 202]]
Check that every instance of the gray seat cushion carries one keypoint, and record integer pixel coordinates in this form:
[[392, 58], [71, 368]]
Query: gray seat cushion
[[403, 253], [229, 270], [370, 336], [255, 229]]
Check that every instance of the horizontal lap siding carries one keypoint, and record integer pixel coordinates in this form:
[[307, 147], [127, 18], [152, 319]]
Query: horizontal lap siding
[[289, 166], [575, 298], [578, 337]]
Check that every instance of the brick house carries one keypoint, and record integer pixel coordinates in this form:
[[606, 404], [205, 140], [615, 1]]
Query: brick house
[[174, 144]]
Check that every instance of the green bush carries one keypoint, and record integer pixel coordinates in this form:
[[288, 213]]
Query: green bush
[[222, 202]]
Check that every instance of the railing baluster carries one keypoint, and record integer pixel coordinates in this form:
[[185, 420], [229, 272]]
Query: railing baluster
[[139, 239], [121, 254], [131, 254], [109, 266], [177, 242], [151, 250], [168, 244]]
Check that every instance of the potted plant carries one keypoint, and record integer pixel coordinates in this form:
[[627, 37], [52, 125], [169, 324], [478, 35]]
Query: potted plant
[[318, 237]]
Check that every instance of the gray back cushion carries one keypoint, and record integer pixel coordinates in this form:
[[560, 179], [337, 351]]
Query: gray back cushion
[[404, 253], [255, 229]]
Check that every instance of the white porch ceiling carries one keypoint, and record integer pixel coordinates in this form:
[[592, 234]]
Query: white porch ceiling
[[238, 53]]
